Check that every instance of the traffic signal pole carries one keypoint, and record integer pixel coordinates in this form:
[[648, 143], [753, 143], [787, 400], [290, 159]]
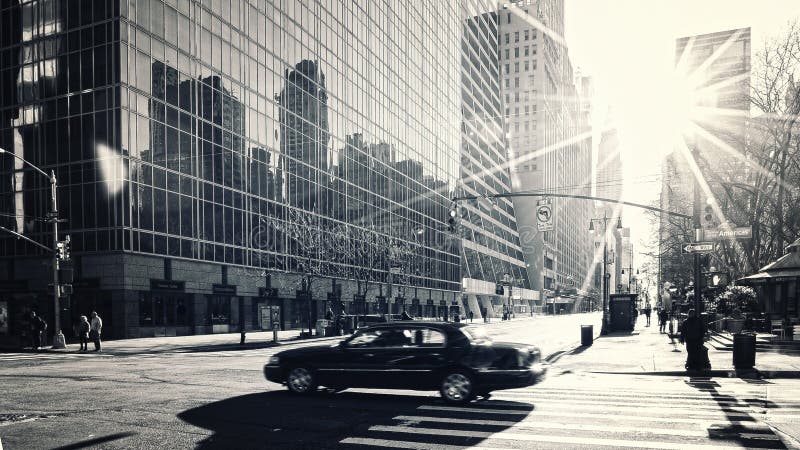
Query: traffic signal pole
[[698, 304], [58, 336]]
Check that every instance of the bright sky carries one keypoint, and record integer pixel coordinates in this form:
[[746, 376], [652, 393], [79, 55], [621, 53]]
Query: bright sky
[[628, 48]]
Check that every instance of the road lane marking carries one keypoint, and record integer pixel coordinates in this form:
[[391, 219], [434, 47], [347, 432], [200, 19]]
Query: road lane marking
[[593, 441], [415, 445], [593, 407], [529, 424]]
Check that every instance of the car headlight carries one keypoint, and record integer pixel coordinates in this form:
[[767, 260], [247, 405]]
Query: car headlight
[[274, 360]]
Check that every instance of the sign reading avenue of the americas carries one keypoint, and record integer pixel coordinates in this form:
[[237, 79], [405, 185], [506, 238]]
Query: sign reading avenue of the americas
[[721, 234]]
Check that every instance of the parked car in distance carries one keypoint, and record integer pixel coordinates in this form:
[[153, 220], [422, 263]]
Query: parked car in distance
[[456, 359]]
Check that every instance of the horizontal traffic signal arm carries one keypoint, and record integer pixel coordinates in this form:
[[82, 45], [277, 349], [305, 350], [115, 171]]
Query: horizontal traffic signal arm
[[584, 197]]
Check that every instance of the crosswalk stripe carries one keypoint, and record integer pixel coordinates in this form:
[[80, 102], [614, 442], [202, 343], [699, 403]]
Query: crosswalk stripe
[[638, 393], [594, 441], [592, 407], [415, 445], [537, 424], [667, 406], [624, 395]]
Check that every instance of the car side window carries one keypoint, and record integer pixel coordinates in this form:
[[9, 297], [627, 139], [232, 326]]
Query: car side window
[[426, 337], [364, 339]]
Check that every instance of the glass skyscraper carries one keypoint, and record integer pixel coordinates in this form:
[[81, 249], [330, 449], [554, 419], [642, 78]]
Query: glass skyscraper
[[228, 165], [491, 243]]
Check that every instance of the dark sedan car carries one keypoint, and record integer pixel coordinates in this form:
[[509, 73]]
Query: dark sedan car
[[457, 359]]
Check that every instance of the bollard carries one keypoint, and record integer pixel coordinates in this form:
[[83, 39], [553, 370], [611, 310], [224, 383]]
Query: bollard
[[275, 328]]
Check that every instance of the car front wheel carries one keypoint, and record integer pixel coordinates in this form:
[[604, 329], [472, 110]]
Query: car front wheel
[[300, 380], [457, 387]]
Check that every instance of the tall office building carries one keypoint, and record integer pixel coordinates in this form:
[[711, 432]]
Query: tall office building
[[491, 250], [217, 160], [546, 124], [717, 68]]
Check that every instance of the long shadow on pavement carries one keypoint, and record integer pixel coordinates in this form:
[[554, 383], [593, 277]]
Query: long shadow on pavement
[[278, 419], [742, 428]]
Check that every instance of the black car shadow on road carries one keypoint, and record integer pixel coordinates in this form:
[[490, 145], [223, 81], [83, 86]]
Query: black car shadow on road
[[97, 441], [279, 419]]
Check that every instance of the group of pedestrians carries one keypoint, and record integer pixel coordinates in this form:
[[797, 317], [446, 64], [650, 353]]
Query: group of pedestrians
[[90, 331]]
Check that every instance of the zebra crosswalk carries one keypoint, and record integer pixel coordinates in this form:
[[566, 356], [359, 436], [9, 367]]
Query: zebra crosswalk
[[671, 414], [51, 356]]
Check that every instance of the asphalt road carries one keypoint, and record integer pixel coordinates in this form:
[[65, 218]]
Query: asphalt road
[[220, 400]]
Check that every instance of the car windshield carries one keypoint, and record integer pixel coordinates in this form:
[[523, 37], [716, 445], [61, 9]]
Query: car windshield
[[476, 335]]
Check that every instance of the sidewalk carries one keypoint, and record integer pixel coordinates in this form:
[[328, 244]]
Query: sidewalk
[[646, 351], [206, 342], [195, 343]]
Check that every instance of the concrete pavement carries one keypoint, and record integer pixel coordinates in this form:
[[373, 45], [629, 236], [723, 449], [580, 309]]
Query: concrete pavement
[[656, 353]]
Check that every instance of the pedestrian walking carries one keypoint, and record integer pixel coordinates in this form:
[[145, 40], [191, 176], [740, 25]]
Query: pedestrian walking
[[692, 333], [647, 312], [95, 330], [663, 316], [38, 326], [83, 333], [471, 316]]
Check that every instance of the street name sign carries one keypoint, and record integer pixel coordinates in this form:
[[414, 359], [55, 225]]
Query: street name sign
[[698, 247], [722, 234]]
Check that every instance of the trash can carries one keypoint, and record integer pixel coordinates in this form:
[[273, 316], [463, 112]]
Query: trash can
[[744, 350], [322, 324], [587, 335]]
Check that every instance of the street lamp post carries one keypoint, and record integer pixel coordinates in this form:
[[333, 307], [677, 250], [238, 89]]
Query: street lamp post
[[58, 337], [604, 220]]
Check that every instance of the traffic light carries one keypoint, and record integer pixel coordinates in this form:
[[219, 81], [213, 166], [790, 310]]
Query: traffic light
[[62, 247], [452, 220], [708, 217], [498, 289]]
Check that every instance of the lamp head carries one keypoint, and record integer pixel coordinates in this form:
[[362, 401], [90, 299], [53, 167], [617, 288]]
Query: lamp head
[[591, 226], [619, 223]]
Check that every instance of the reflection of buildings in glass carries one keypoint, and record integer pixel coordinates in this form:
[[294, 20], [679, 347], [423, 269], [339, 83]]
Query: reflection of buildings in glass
[[200, 181], [304, 132]]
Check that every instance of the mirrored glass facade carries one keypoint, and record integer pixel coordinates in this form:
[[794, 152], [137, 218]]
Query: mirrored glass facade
[[260, 137], [211, 130]]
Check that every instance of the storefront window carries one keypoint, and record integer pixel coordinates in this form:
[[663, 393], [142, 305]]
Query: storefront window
[[162, 310], [220, 308]]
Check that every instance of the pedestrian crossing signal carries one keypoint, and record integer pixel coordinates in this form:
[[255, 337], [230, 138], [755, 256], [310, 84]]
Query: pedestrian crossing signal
[[452, 221]]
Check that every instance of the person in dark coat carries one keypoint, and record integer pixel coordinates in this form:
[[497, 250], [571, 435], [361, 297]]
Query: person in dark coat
[[83, 333], [663, 316], [471, 316], [692, 333], [647, 312], [38, 327]]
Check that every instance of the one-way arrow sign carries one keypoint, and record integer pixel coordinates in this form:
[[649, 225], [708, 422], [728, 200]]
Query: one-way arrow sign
[[698, 247]]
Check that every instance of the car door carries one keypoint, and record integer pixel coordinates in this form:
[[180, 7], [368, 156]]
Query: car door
[[418, 363], [352, 364]]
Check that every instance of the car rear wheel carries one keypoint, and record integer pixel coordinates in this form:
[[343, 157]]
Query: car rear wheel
[[457, 387], [300, 380]]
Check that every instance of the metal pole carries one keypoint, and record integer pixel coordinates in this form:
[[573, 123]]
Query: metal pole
[[604, 326], [58, 336], [696, 219]]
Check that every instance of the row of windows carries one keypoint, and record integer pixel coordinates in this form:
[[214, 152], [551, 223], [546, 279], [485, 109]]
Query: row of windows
[[526, 51], [527, 34]]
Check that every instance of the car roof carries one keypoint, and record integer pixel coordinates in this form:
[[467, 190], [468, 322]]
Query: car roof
[[417, 323]]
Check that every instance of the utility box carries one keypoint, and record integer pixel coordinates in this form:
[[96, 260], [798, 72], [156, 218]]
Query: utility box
[[622, 312]]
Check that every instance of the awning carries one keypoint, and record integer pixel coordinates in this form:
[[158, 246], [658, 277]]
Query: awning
[[763, 277]]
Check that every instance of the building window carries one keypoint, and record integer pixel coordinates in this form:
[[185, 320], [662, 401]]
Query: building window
[[509, 17], [527, 50], [516, 67], [508, 84], [527, 66], [507, 69], [219, 310], [507, 38], [516, 97], [527, 34], [516, 52], [527, 110], [516, 82], [516, 36], [508, 54], [533, 34]]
